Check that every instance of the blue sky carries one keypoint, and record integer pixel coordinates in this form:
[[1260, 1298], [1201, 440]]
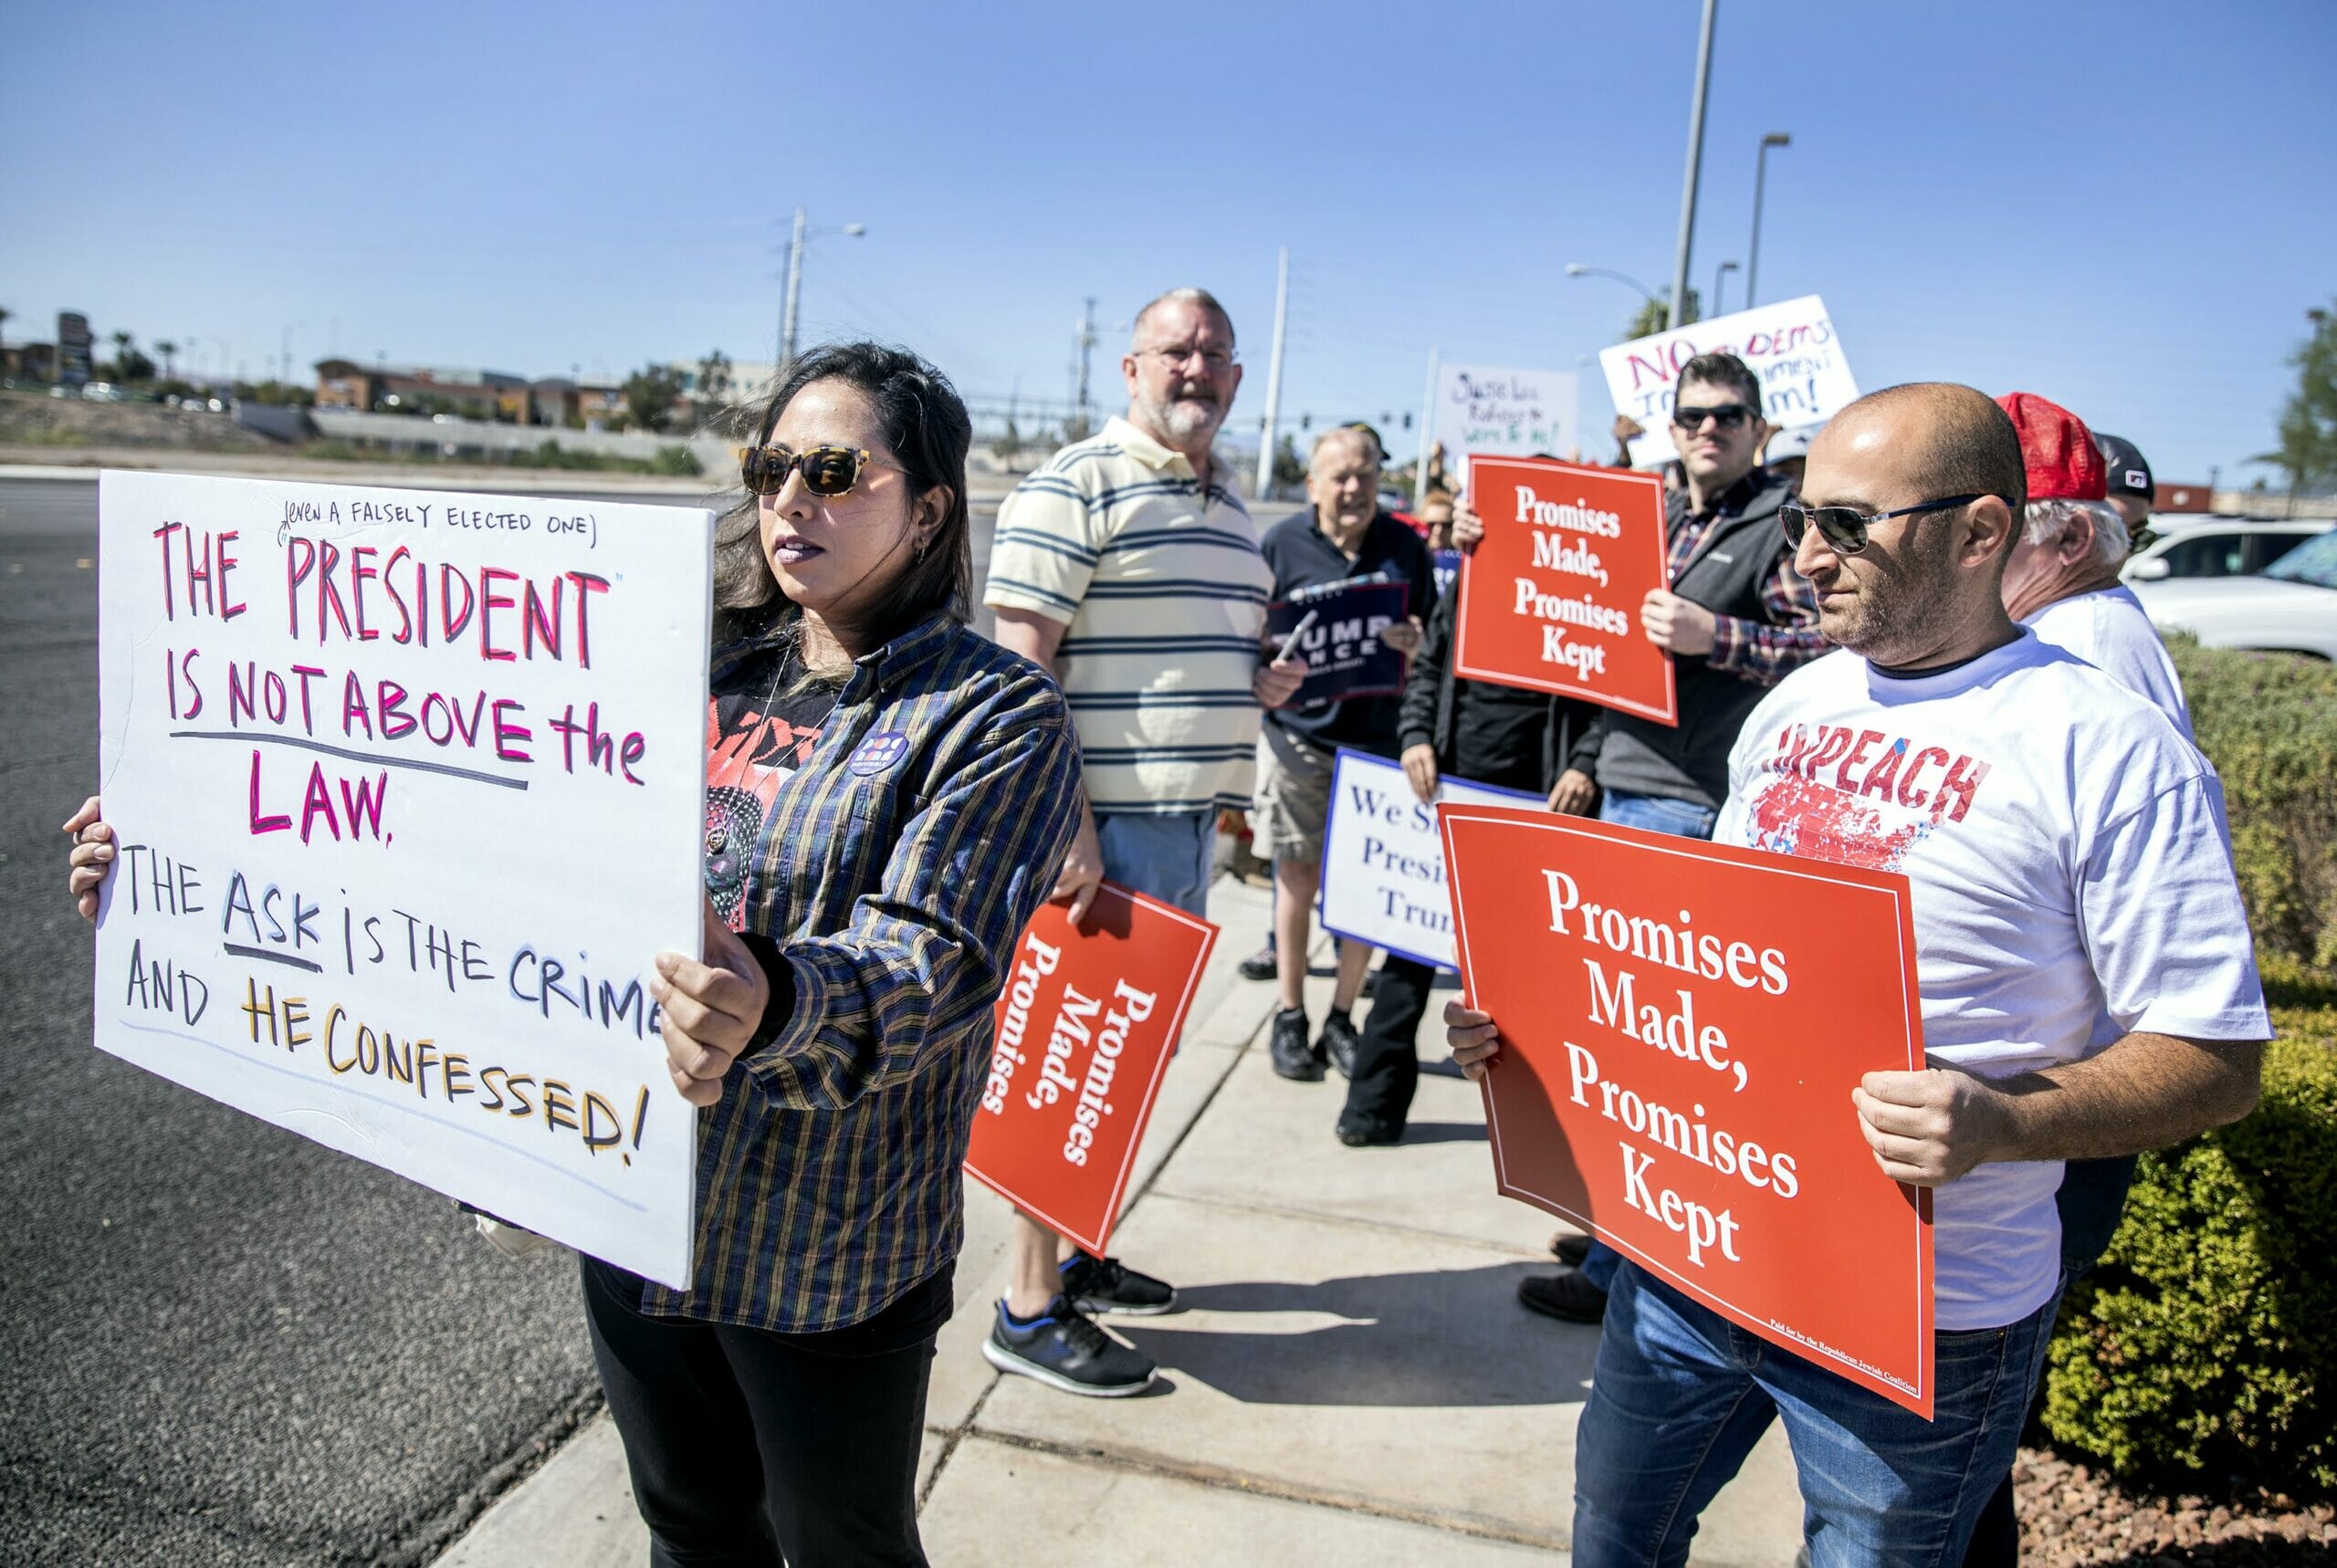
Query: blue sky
[[2123, 206]]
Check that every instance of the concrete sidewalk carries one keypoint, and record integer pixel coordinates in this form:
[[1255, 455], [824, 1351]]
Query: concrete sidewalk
[[1350, 1379]]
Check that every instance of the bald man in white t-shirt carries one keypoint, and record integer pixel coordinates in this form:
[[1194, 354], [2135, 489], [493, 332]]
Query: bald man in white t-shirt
[[2086, 983]]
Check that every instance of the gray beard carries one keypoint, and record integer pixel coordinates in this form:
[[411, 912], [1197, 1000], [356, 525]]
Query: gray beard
[[1184, 420]]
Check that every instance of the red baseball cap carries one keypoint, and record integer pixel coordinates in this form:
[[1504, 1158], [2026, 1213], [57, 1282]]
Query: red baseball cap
[[2057, 449]]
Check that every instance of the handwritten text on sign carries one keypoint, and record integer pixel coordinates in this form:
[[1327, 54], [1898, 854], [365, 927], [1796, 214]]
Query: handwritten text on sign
[[1341, 645], [1383, 862], [1550, 600], [1791, 346], [1486, 408], [1681, 1025], [1086, 1025], [408, 788]]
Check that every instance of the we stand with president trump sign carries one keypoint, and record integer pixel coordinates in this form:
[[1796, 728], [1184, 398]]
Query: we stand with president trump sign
[[1680, 1028], [409, 793]]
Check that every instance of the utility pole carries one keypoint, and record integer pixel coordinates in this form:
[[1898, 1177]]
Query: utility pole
[[1695, 166], [794, 282], [1084, 343], [1427, 431], [1274, 378], [1760, 178]]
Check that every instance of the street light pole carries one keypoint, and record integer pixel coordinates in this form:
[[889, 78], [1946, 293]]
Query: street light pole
[[794, 281], [1576, 269], [1760, 177], [1720, 276], [1695, 166], [797, 240]]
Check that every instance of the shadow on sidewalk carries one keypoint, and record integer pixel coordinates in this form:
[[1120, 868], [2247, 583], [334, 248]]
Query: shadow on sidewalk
[[1445, 1338], [1444, 1133]]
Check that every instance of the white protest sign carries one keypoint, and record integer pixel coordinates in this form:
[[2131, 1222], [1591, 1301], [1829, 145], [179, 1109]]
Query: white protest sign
[[1481, 408], [1791, 346], [1383, 862], [409, 793]]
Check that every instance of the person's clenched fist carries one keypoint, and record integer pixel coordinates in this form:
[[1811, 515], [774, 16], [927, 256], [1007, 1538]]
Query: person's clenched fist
[[711, 1010]]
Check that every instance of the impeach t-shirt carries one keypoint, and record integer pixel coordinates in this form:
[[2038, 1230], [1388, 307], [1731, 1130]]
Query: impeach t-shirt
[[757, 731], [2072, 882]]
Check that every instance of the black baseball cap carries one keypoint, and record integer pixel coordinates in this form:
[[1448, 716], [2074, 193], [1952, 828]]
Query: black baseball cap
[[2128, 474]]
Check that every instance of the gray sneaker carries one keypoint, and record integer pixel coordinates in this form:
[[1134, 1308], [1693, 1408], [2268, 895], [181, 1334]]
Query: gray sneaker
[[1065, 1350]]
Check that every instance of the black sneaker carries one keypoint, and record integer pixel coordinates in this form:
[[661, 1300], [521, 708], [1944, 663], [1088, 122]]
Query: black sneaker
[[1293, 1058], [1096, 1284], [1064, 1350], [1567, 1297], [1341, 1042], [1260, 965]]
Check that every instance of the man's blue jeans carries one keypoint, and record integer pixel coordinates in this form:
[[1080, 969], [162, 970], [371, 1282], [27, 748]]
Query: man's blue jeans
[[1170, 856], [1681, 1394], [1656, 814]]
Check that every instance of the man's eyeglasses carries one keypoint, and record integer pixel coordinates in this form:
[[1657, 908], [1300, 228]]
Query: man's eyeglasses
[[828, 471], [1216, 360], [1844, 529], [1728, 415]]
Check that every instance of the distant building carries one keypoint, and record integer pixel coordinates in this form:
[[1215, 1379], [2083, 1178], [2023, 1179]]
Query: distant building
[[464, 391]]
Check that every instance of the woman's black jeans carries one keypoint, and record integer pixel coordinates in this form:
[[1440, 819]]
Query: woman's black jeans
[[748, 1447]]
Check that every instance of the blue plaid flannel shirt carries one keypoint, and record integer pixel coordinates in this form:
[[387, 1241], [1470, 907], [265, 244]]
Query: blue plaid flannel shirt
[[886, 904]]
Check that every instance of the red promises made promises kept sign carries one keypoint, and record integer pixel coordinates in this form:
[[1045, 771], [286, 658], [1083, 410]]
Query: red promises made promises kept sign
[[1550, 600], [1086, 1027], [1681, 1025]]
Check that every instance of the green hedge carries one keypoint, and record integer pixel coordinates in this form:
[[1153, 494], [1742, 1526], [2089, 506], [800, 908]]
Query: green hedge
[[2269, 723], [2204, 1347]]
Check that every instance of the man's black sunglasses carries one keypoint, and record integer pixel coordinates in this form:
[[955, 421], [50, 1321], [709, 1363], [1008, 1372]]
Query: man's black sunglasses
[[1844, 529], [1728, 415]]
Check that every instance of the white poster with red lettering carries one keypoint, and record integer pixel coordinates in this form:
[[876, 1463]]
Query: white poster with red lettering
[[1791, 346], [408, 789]]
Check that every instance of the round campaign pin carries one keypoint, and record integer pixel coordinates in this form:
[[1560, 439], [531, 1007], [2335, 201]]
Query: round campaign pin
[[881, 750]]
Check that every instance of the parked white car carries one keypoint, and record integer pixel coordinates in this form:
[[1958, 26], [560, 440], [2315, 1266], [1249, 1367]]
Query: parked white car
[[2290, 607], [2200, 545]]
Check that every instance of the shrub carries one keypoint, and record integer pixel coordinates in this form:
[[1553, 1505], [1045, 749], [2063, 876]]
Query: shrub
[[2204, 1345], [2268, 721]]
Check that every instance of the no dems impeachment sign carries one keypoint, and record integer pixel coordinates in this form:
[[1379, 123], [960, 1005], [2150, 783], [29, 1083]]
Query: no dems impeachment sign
[[1681, 1025]]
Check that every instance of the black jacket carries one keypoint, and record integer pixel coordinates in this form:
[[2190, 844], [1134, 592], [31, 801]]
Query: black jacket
[[1690, 762], [1570, 737]]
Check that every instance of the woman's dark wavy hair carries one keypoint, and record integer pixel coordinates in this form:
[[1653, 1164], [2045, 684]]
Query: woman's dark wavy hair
[[926, 425]]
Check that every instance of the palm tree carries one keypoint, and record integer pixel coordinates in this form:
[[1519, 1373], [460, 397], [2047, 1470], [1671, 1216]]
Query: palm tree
[[122, 356], [3, 322], [166, 348]]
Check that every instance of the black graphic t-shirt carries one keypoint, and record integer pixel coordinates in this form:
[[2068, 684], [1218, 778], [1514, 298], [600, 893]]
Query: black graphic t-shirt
[[757, 733]]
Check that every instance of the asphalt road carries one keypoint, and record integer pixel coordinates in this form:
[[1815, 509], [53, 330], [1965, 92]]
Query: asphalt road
[[227, 1345]]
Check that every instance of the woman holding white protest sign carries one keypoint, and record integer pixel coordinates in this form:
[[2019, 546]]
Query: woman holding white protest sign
[[888, 794]]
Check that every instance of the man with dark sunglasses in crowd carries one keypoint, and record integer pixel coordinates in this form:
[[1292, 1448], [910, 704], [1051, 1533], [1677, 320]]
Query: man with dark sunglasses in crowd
[[1737, 619], [2083, 959]]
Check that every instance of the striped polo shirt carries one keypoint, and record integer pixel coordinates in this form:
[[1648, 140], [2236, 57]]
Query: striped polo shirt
[[1162, 595]]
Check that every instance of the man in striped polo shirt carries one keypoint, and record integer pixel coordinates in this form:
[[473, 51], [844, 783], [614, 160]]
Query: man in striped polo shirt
[[1129, 568]]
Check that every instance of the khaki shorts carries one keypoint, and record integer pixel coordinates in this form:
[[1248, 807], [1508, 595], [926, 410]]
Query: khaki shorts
[[1292, 799]]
